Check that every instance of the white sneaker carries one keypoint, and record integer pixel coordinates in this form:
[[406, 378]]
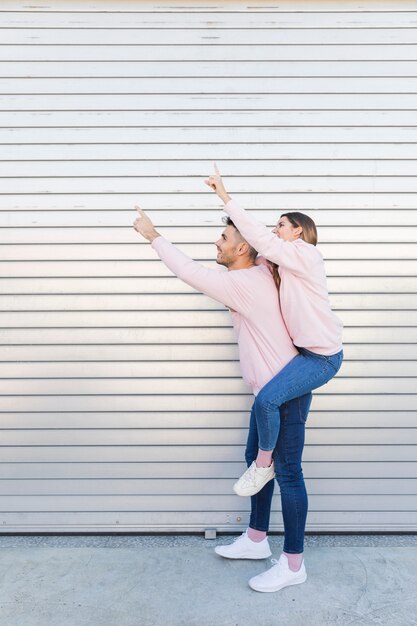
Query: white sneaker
[[278, 576], [254, 479], [245, 548]]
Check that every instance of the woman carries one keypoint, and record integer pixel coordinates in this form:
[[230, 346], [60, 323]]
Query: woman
[[313, 327]]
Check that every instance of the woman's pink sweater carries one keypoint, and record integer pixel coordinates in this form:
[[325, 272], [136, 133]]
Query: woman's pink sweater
[[303, 292], [251, 295]]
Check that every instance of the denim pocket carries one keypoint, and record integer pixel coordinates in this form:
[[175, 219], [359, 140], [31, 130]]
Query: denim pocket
[[331, 363], [296, 411], [335, 361]]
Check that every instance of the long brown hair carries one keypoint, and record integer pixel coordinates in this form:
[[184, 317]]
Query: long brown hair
[[275, 275], [308, 234]]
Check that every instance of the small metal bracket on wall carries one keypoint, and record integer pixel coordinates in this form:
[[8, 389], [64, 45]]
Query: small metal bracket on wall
[[210, 533]]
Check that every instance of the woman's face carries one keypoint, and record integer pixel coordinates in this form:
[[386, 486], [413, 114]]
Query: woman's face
[[286, 231]]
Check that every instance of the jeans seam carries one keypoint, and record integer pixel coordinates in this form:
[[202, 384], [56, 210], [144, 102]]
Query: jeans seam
[[296, 522], [294, 390]]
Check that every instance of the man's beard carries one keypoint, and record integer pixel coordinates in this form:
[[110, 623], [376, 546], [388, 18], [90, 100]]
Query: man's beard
[[226, 261]]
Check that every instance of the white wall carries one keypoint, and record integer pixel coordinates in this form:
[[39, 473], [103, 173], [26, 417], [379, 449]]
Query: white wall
[[122, 405]]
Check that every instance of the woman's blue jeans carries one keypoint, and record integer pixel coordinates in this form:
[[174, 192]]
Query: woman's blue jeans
[[301, 375], [287, 459]]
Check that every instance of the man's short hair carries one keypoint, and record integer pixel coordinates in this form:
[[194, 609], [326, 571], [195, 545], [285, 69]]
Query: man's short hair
[[251, 251]]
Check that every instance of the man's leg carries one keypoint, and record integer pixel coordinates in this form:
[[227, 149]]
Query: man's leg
[[253, 543], [290, 569], [261, 501], [289, 473]]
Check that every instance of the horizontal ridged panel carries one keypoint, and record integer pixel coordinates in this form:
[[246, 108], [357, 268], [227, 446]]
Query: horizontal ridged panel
[[153, 17], [38, 251], [139, 420], [187, 169], [186, 454], [148, 503], [324, 470], [340, 435], [198, 402], [184, 369], [194, 486], [193, 521], [201, 53], [121, 402], [186, 68], [182, 352]]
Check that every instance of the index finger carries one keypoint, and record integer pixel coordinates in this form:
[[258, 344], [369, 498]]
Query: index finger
[[216, 169]]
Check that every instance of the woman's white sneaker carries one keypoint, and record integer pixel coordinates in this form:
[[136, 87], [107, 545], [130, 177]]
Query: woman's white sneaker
[[278, 576], [245, 548], [254, 479]]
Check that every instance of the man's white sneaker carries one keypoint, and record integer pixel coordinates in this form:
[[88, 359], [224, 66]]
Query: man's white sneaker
[[254, 479], [245, 548], [278, 576]]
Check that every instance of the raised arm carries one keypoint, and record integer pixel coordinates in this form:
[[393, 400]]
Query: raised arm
[[284, 253], [287, 254], [216, 183], [225, 287]]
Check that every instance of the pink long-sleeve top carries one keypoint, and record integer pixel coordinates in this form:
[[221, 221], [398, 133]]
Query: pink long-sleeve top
[[251, 295], [304, 298]]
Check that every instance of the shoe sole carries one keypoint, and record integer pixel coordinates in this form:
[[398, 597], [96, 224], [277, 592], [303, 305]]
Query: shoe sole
[[251, 558], [251, 492], [298, 582]]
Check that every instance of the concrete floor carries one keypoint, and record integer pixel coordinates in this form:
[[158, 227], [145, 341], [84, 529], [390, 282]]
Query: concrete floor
[[179, 581]]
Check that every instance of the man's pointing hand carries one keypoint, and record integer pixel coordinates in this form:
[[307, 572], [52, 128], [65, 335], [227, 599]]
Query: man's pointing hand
[[144, 225]]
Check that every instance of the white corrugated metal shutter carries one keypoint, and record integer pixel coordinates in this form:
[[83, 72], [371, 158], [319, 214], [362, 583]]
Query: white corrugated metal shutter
[[122, 405]]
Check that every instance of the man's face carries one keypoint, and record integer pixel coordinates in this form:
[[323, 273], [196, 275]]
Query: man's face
[[226, 247]]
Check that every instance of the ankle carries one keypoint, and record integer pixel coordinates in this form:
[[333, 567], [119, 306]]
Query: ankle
[[256, 535], [294, 561], [264, 458]]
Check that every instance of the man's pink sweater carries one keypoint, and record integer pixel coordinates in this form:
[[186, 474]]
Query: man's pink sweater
[[251, 295], [304, 298]]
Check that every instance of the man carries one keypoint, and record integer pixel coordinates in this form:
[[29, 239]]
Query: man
[[265, 347]]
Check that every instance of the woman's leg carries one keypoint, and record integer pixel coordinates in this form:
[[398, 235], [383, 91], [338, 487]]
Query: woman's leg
[[287, 460], [300, 376]]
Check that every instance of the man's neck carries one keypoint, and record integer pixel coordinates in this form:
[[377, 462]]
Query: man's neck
[[241, 265]]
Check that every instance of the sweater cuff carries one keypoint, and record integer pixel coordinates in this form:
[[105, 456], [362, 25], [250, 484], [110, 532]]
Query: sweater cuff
[[228, 208], [155, 245]]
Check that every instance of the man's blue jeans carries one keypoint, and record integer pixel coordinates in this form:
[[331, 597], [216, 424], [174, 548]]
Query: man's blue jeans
[[287, 459], [301, 375]]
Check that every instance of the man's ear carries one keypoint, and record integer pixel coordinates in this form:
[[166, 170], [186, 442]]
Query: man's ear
[[243, 248]]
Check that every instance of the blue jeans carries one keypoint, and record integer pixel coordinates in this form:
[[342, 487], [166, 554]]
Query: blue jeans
[[289, 474], [301, 375]]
